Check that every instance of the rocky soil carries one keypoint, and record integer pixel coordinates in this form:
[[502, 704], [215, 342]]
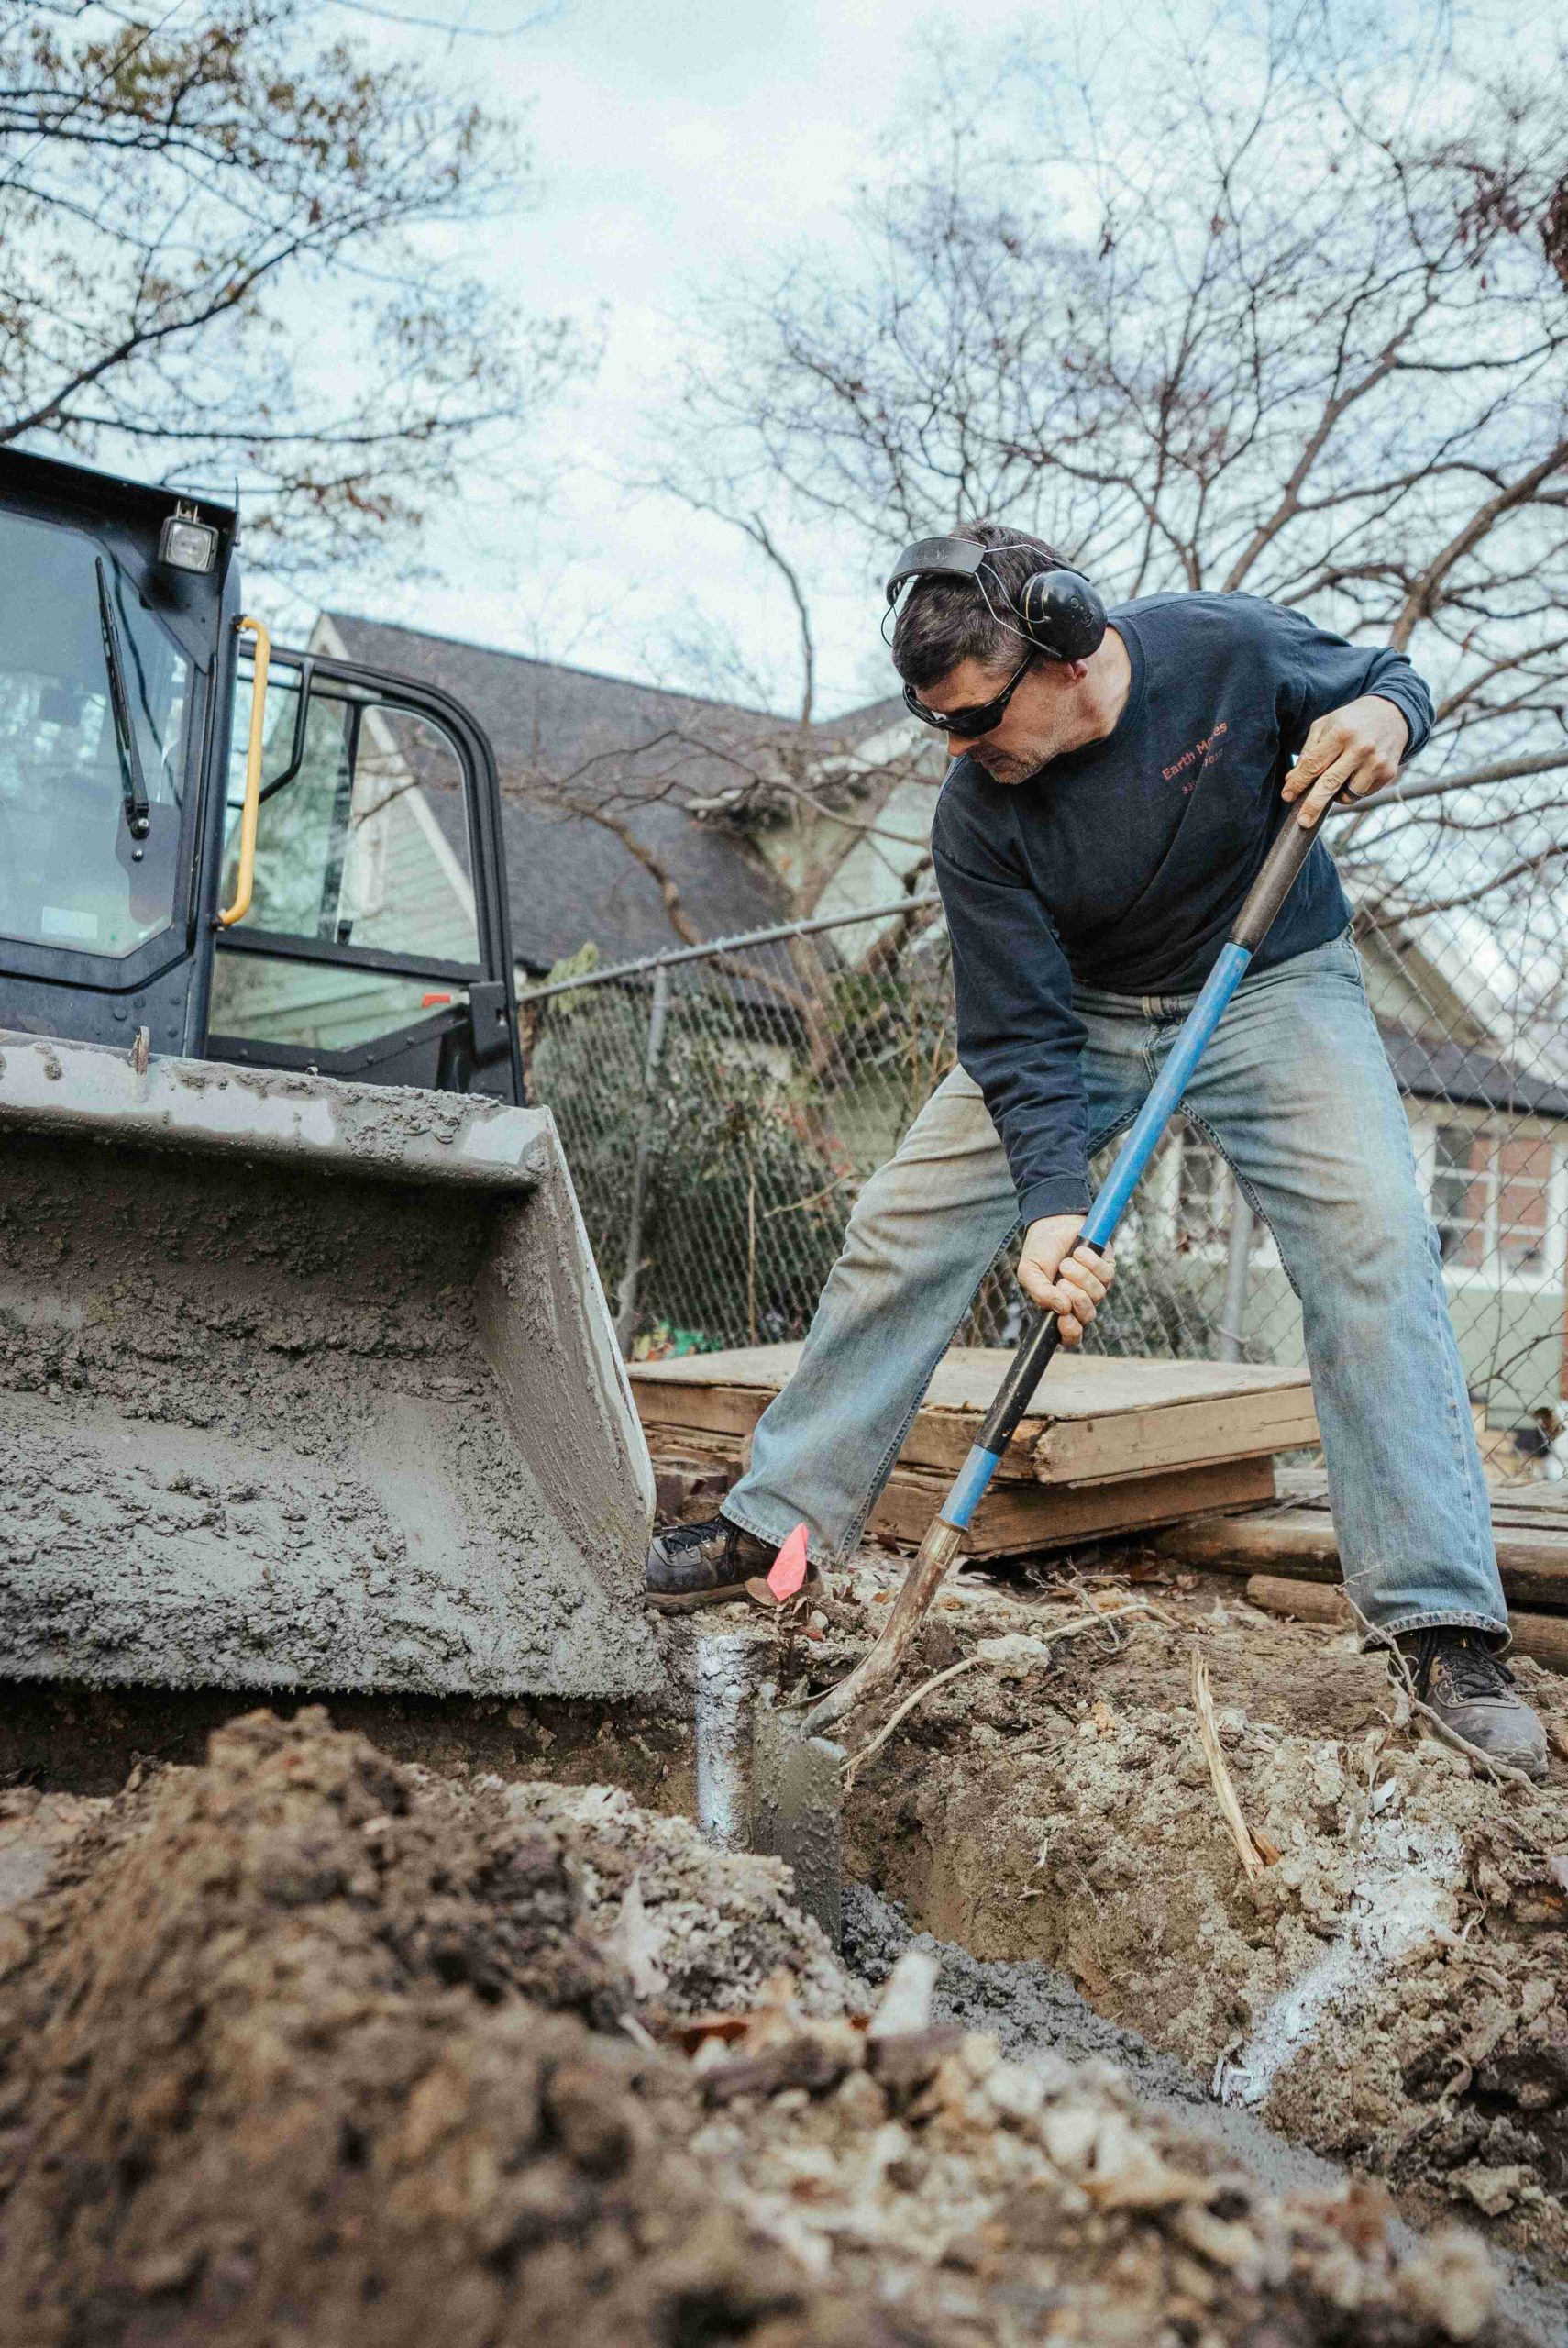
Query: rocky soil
[[307, 2046], [1389, 1989]]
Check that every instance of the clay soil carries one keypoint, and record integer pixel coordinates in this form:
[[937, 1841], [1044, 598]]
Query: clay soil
[[304, 2045], [1389, 1990]]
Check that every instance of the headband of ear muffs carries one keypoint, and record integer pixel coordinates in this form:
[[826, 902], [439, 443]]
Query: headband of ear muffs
[[1058, 612]]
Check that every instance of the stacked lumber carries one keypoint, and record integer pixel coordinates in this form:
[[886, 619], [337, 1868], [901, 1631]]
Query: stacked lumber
[[1298, 1542], [1113, 1447], [1542, 1636]]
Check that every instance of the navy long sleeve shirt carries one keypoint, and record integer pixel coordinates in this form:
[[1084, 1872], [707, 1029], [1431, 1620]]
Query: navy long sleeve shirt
[[1121, 867]]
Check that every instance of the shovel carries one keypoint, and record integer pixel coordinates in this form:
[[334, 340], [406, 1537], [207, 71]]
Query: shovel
[[795, 1799]]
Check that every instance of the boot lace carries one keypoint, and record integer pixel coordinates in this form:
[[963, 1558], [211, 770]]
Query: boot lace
[[697, 1536], [1476, 1671]]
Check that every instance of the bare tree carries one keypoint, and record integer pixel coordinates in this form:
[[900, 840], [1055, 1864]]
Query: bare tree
[[1265, 310], [211, 262]]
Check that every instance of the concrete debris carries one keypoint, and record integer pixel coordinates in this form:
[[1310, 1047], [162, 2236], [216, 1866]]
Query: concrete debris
[[718, 1925], [906, 2001]]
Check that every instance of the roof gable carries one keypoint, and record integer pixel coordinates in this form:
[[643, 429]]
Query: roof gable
[[592, 770]]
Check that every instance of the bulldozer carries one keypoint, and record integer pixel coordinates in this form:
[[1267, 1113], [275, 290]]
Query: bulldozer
[[307, 1381]]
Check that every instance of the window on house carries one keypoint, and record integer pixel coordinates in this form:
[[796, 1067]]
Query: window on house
[[1460, 1195], [1523, 1171], [1489, 1201]]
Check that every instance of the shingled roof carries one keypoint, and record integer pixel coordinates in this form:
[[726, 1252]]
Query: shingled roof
[[580, 754], [1440, 1070]]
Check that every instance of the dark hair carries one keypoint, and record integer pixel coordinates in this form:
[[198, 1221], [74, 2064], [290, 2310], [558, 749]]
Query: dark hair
[[945, 620]]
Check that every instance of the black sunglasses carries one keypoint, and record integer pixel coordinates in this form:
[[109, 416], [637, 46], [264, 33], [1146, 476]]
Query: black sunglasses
[[978, 718]]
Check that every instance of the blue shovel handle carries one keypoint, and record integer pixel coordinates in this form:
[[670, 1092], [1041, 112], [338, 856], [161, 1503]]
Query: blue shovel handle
[[1292, 846]]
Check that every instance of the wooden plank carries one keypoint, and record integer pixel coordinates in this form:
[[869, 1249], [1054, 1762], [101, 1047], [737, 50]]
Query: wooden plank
[[1015, 1518], [1179, 1435], [1532, 1508], [1108, 1418], [1301, 1543], [725, 1410], [967, 1377], [1539, 1497], [940, 1441], [1019, 1517], [1544, 1638], [1088, 1451]]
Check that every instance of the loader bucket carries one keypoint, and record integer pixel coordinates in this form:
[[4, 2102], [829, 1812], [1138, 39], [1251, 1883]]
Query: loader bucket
[[305, 1385]]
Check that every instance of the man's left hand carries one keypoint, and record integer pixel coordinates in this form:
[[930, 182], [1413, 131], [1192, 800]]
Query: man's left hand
[[1356, 749]]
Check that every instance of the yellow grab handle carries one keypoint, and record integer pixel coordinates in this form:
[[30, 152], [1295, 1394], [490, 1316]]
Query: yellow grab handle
[[246, 878]]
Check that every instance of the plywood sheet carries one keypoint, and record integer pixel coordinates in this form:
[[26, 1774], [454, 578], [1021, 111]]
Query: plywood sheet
[[1096, 1420], [1014, 1520]]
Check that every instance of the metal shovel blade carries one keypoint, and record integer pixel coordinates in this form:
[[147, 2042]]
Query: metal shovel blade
[[797, 1808]]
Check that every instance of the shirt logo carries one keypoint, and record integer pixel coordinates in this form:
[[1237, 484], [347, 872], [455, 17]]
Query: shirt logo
[[1195, 763]]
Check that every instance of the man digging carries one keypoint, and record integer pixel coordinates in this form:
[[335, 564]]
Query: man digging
[[1116, 779]]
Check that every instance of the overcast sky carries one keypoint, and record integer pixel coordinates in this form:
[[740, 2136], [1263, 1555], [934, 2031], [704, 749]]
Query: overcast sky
[[674, 140]]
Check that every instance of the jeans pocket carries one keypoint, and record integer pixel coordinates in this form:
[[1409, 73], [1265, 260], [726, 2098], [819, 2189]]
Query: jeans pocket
[[1340, 955]]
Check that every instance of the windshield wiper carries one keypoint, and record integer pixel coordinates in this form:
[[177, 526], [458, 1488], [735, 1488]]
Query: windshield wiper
[[133, 783]]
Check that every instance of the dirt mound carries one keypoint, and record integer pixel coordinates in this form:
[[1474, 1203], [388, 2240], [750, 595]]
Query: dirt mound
[[1391, 1988], [303, 2047], [308, 2047]]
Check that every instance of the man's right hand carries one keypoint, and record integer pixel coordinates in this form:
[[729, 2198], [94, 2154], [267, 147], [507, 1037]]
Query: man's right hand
[[1061, 1278]]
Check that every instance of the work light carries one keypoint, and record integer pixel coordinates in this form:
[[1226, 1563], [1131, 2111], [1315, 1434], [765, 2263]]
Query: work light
[[187, 545]]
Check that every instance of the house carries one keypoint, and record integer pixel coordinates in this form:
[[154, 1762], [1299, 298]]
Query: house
[[597, 780], [1490, 1140], [636, 818]]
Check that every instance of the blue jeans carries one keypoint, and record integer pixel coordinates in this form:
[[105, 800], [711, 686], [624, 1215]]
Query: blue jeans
[[1295, 1091]]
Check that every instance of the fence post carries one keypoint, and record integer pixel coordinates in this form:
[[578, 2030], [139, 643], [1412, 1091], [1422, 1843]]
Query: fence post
[[1238, 1264], [626, 1294]]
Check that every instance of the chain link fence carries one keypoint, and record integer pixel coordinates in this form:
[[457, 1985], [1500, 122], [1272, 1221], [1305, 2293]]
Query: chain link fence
[[721, 1107]]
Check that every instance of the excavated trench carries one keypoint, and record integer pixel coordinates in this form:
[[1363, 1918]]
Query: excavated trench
[[1389, 1991], [1386, 2002]]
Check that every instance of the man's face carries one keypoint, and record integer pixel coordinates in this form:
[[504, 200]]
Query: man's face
[[1036, 725]]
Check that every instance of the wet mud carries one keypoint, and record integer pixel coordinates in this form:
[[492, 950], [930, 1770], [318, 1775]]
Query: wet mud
[[281, 1429]]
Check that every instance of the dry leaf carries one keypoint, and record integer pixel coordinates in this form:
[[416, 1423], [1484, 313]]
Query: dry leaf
[[703, 2027]]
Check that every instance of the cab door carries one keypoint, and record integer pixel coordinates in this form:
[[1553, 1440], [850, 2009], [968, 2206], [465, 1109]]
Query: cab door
[[377, 944]]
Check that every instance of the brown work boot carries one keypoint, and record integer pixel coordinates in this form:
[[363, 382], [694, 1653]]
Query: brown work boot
[[1470, 1689], [701, 1565]]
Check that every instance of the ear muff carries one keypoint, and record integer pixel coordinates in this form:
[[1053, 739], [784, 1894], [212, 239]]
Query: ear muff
[[1058, 612], [1061, 614]]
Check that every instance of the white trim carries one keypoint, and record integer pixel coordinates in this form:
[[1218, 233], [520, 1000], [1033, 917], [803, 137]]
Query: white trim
[[326, 640], [1489, 1277]]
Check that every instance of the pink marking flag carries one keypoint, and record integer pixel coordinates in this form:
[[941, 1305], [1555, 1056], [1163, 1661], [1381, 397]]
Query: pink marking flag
[[789, 1568]]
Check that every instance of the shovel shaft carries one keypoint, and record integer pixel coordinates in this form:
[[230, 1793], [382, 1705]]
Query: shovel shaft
[[1289, 852]]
